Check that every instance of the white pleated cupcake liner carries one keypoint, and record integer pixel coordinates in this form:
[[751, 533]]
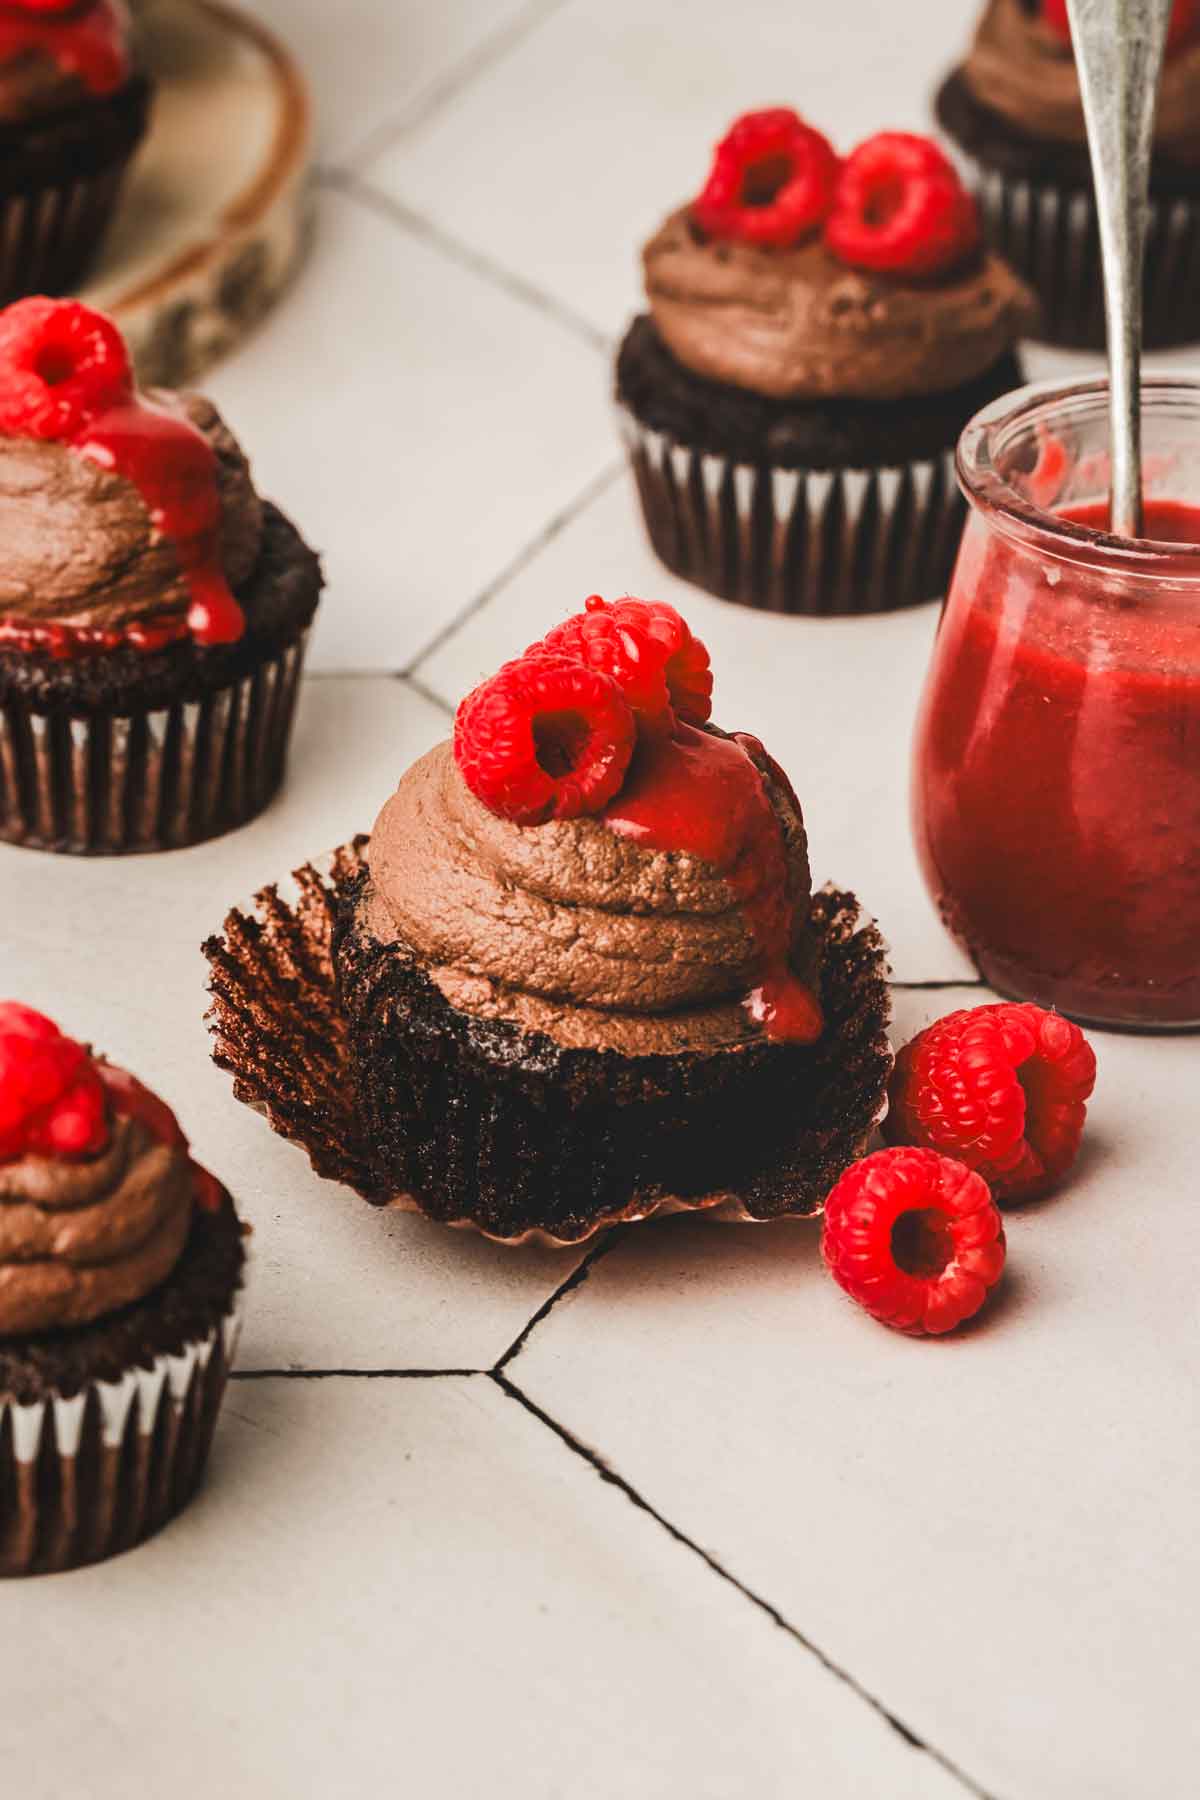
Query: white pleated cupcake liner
[[85, 1477], [108, 784], [814, 541], [1050, 235]]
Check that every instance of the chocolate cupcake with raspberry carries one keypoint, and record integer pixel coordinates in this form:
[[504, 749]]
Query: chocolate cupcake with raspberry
[[818, 334], [153, 608], [580, 971], [121, 1267], [1013, 107], [74, 106]]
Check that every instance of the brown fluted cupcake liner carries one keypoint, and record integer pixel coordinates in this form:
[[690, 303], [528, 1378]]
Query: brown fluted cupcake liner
[[1051, 236], [278, 1028], [814, 541], [50, 235], [86, 1476], [104, 784]]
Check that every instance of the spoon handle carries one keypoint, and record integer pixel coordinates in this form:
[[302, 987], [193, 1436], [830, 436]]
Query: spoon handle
[[1119, 51]]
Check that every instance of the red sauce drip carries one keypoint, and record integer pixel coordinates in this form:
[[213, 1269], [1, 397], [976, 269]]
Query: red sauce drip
[[1057, 778], [65, 643], [130, 1100], [90, 41], [702, 794]]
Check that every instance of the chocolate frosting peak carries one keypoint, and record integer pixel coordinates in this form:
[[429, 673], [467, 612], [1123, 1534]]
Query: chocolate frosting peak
[[80, 547], [1025, 72], [567, 928], [799, 323], [79, 1240]]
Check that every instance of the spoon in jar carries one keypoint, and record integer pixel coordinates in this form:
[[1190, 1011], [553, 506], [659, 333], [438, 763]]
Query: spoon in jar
[[1119, 48]]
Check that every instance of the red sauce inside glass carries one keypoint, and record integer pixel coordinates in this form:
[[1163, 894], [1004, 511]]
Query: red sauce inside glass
[[701, 794], [1057, 778], [89, 41]]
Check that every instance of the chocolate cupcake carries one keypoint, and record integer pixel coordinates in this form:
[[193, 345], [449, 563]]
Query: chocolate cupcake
[[120, 1280], [818, 334], [581, 973], [1013, 108], [74, 107], [153, 609]]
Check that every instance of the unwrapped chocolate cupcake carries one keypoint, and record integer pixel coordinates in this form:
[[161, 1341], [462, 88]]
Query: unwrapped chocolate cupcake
[[818, 334], [120, 1280], [1013, 107], [581, 974], [153, 609], [74, 106]]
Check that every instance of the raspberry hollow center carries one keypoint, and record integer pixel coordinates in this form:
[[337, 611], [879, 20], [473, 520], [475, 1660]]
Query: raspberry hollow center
[[765, 180], [53, 365], [559, 741], [882, 202], [922, 1242]]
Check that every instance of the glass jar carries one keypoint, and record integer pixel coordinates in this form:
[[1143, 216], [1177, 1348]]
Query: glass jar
[[1056, 794]]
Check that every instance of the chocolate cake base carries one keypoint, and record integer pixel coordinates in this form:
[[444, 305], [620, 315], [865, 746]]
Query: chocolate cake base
[[820, 507], [408, 1101], [1038, 211], [127, 751], [105, 1430], [60, 179]]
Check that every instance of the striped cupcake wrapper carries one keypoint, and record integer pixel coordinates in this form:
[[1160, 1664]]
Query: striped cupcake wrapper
[[49, 235], [107, 784], [86, 1477], [815, 541], [1051, 237]]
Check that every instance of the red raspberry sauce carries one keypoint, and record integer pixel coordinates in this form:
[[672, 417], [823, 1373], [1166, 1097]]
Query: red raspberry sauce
[[90, 42], [173, 467], [1057, 783], [702, 794]]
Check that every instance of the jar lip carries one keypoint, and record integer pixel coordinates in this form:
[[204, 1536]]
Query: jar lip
[[1047, 532]]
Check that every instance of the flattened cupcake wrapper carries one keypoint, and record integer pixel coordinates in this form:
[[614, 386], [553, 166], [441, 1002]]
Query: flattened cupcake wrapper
[[107, 784], [279, 1030], [1051, 236], [49, 235], [815, 541], [86, 1477]]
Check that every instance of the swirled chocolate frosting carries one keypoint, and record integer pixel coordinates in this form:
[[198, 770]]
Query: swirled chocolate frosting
[[80, 1239], [569, 928], [1024, 71], [80, 546], [798, 323]]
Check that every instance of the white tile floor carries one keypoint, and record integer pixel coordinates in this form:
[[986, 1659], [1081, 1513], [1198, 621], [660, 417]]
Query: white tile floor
[[707, 1530]]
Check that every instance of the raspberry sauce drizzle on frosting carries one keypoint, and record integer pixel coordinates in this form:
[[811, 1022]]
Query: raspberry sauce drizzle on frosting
[[89, 41], [131, 1100], [701, 794]]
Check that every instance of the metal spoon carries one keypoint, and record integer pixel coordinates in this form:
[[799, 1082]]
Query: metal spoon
[[1119, 52]]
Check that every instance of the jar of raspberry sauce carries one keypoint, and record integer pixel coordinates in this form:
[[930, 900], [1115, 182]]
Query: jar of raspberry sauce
[[1056, 792]]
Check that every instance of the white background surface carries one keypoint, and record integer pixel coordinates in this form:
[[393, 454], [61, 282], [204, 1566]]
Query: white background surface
[[709, 1532]]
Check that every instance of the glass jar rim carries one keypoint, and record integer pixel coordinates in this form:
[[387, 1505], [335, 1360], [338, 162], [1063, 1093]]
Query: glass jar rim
[[1047, 533]]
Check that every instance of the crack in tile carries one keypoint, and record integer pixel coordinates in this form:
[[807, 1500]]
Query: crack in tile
[[463, 71], [357, 188], [598, 485], [610, 1475], [575, 1280]]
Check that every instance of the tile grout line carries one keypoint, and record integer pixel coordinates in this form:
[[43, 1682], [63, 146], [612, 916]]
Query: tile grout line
[[463, 71], [934, 987], [426, 693], [599, 484], [574, 1280], [351, 1374], [397, 212], [609, 1475]]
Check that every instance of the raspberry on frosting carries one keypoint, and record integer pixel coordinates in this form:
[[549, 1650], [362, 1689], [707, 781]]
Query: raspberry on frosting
[[52, 1101], [62, 364], [771, 181], [900, 208], [649, 651]]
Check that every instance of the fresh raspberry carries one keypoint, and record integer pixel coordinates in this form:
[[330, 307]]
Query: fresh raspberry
[[61, 366], [649, 651], [1185, 16], [51, 1099], [915, 1238], [1003, 1088], [546, 738], [901, 208], [771, 182]]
